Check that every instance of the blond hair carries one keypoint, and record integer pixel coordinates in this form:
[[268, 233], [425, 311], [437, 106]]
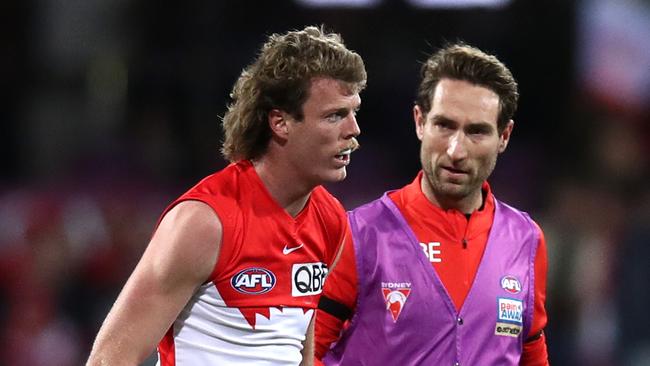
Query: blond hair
[[280, 78]]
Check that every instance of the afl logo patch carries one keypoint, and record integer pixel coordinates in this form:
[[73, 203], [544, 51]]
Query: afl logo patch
[[253, 281], [511, 284]]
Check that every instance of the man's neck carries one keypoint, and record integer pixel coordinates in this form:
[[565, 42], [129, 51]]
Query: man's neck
[[283, 185]]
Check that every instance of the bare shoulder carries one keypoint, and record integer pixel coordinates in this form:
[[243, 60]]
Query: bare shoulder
[[187, 242], [192, 214], [180, 257]]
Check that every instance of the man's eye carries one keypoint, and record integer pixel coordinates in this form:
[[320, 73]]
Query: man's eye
[[334, 117], [443, 125], [478, 131]]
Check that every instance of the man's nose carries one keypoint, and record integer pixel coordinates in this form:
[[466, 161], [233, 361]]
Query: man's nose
[[351, 127], [456, 148]]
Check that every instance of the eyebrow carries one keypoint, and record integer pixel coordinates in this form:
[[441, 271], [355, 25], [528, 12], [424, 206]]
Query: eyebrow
[[341, 110], [442, 118]]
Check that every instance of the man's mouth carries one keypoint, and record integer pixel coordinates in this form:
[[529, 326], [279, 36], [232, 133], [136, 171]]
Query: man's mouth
[[344, 155], [454, 171]]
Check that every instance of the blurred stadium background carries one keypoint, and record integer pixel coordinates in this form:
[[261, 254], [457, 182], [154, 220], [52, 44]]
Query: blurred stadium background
[[110, 109]]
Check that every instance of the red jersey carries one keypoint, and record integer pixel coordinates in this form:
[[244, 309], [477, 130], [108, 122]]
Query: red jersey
[[454, 245], [267, 278]]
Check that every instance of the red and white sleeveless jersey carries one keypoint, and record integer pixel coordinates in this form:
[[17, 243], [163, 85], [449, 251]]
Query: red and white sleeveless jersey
[[261, 296]]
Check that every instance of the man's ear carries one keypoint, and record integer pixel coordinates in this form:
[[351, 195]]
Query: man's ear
[[278, 122], [420, 119], [505, 136]]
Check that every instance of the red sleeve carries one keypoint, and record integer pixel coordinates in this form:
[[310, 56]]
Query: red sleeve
[[535, 352], [340, 287]]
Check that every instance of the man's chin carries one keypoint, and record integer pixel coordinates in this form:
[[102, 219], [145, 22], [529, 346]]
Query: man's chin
[[336, 175], [340, 174], [454, 190]]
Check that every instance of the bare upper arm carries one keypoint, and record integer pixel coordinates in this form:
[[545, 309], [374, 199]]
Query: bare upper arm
[[308, 344], [185, 246], [179, 258]]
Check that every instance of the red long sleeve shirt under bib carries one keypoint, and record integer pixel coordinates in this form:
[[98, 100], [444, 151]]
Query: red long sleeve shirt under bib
[[454, 244]]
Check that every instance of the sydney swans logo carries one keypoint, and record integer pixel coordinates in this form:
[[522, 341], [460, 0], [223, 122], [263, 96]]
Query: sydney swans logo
[[395, 295]]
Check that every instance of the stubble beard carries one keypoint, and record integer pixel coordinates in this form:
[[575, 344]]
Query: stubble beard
[[445, 190], [448, 193], [449, 190]]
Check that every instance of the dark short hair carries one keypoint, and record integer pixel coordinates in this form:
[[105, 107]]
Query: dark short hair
[[460, 61]]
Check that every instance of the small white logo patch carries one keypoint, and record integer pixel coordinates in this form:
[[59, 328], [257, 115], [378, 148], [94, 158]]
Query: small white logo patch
[[510, 311], [507, 329], [511, 284], [308, 278], [253, 281]]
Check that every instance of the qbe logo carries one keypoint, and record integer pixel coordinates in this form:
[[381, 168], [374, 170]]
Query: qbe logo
[[253, 281], [308, 278]]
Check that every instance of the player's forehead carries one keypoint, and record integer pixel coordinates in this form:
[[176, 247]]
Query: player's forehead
[[329, 93], [462, 101]]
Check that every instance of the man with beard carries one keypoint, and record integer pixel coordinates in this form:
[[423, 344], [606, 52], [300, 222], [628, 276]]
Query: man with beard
[[476, 296]]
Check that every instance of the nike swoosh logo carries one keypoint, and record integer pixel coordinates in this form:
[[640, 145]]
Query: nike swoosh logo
[[286, 250]]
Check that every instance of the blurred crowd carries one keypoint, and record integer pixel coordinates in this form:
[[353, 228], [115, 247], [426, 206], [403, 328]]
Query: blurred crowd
[[597, 224], [65, 253]]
